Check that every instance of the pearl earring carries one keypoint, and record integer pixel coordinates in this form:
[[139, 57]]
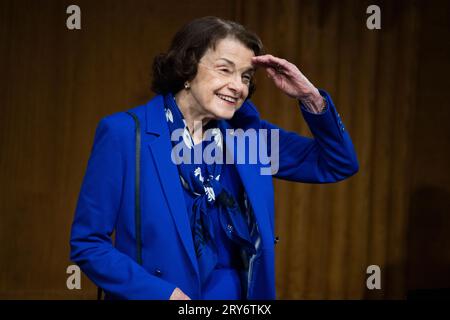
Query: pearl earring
[[187, 86]]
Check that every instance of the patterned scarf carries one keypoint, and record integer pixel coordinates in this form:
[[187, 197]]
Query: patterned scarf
[[203, 181]]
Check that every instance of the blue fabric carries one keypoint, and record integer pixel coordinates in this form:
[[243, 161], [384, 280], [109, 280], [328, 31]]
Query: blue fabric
[[106, 201], [203, 180], [224, 282], [227, 250]]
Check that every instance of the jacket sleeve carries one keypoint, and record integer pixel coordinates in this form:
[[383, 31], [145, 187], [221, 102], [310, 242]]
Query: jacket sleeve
[[329, 157], [94, 223]]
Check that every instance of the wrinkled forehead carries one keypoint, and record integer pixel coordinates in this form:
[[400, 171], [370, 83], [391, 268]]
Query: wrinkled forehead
[[229, 51]]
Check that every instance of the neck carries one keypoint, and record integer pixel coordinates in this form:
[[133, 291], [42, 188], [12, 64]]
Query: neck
[[195, 119]]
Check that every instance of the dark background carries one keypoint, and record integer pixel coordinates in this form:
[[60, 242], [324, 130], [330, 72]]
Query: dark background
[[390, 87]]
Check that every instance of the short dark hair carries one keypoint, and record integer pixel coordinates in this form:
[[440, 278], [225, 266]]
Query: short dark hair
[[172, 69]]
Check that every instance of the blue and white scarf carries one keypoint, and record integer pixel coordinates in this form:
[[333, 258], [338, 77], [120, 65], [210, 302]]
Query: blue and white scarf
[[203, 182]]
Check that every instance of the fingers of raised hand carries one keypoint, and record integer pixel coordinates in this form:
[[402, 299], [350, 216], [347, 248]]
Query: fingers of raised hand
[[278, 65], [271, 72]]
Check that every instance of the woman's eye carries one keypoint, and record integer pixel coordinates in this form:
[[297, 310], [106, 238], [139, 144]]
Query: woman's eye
[[224, 70], [246, 79]]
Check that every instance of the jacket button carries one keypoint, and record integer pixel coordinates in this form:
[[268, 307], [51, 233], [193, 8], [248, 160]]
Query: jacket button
[[276, 240], [157, 273]]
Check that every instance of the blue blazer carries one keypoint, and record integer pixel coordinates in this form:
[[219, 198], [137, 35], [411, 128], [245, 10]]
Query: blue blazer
[[106, 201]]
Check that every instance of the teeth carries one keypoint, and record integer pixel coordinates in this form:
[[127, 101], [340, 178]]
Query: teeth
[[226, 98]]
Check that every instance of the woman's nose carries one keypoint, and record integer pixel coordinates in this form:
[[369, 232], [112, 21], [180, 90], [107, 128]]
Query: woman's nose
[[235, 84]]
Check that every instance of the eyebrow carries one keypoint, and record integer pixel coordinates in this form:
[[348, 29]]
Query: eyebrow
[[250, 69]]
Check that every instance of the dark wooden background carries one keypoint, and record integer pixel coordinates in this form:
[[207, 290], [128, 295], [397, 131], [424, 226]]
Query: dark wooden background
[[390, 87]]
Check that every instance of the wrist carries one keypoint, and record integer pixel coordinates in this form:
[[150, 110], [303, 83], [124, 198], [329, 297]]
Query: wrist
[[309, 93], [313, 101]]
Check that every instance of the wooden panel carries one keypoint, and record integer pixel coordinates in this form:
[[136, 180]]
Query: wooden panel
[[389, 86], [428, 200]]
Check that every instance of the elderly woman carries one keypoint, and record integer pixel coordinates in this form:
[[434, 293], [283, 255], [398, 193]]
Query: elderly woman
[[200, 229]]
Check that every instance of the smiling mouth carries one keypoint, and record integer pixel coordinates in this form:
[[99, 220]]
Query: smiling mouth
[[227, 98]]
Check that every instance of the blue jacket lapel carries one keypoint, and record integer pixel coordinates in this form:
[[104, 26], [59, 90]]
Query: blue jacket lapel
[[247, 117], [160, 149]]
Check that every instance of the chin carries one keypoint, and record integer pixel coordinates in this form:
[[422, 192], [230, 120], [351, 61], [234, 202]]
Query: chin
[[225, 113]]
